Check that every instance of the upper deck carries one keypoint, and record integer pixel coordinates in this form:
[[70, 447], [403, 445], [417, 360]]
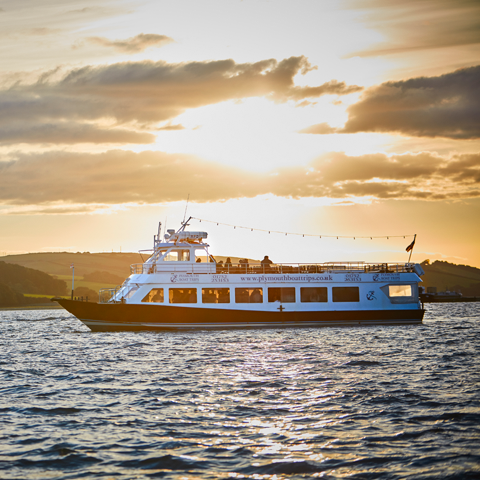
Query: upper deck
[[280, 268], [182, 252]]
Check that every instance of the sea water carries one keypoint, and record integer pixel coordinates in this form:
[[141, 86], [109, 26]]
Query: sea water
[[355, 402]]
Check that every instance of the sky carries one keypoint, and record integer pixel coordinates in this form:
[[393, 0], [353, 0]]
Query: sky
[[311, 120]]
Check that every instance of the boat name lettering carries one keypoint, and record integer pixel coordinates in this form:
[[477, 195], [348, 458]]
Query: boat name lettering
[[220, 278], [288, 278], [183, 278], [352, 277], [386, 277]]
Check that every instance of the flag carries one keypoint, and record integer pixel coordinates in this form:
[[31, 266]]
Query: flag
[[71, 266], [410, 247]]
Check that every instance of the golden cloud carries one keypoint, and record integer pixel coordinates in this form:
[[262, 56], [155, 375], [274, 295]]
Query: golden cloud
[[413, 25], [134, 44], [119, 176], [146, 93]]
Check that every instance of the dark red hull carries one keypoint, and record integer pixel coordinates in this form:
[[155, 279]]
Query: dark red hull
[[117, 316]]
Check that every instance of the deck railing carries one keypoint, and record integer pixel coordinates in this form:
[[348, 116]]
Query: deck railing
[[107, 295], [283, 268]]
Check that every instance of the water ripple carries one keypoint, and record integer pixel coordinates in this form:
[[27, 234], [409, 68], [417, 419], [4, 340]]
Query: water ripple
[[356, 403]]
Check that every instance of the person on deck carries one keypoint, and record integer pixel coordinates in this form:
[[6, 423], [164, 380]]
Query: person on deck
[[266, 261], [266, 264]]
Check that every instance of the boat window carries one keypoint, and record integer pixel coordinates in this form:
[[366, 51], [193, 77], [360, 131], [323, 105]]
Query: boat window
[[215, 295], [249, 295], [160, 253], [284, 294], [155, 295], [345, 294], [400, 291], [177, 256], [182, 295], [313, 294]]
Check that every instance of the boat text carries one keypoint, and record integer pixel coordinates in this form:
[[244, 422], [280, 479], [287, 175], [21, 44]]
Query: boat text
[[386, 277], [183, 278], [353, 277], [288, 278]]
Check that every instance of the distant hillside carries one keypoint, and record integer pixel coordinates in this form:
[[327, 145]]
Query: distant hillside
[[16, 280], [103, 277], [85, 263], [27, 280], [448, 276]]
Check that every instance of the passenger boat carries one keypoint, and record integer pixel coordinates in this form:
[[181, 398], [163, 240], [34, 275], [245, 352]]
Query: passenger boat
[[173, 290]]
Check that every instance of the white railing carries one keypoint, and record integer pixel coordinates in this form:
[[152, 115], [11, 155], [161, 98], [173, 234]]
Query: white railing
[[329, 267], [107, 295]]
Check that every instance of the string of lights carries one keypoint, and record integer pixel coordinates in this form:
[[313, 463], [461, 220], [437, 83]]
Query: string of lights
[[301, 234]]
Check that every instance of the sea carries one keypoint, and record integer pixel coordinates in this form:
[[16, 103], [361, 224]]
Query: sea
[[396, 402]]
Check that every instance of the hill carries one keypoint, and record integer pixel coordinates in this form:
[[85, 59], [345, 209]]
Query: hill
[[27, 280], [449, 276], [25, 286], [106, 268], [85, 263]]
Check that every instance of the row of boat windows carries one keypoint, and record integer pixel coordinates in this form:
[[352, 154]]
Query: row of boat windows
[[254, 295]]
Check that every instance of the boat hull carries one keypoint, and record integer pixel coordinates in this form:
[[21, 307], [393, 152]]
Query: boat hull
[[121, 317]]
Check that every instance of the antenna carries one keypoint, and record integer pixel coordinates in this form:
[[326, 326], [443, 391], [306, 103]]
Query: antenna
[[185, 214], [157, 238]]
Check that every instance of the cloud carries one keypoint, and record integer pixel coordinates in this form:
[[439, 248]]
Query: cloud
[[70, 133], [118, 176], [413, 25], [330, 88], [42, 31], [172, 127], [444, 106], [320, 129], [134, 44], [421, 176], [151, 92]]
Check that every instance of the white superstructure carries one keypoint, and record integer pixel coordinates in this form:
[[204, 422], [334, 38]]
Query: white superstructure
[[174, 277]]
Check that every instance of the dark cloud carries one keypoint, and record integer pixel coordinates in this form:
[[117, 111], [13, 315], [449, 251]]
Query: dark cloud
[[444, 106], [151, 92], [134, 44], [70, 133], [120, 176], [331, 88], [412, 25]]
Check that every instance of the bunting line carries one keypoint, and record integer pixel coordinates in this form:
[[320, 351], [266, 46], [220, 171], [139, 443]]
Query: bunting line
[[300, 234]]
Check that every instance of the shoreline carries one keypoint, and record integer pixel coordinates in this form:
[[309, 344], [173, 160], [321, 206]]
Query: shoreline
[[55, 306]]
